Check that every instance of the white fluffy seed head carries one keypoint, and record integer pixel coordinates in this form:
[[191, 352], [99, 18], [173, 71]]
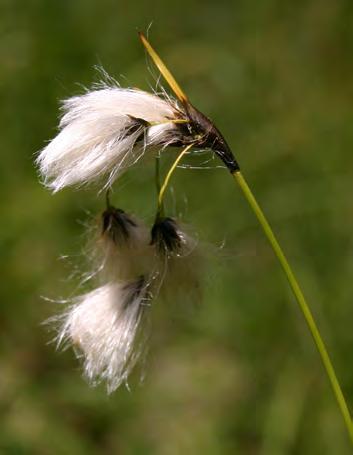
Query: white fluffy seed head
[[170, 240], [103, 326], [120, 248], [103, 132], [179, 262]]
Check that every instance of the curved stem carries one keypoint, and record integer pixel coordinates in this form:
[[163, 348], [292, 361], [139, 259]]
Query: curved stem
[[164, 186], [158, 182], [301, 301]]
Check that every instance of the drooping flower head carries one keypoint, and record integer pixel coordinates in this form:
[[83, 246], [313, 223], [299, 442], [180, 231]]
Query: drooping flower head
[[120, 247], [179, 260], [103, 326], [167, 237]]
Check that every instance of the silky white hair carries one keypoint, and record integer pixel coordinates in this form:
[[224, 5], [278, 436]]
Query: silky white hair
[[119, 247], [178, 260], [102, 326], [107, 326], [103, 132]]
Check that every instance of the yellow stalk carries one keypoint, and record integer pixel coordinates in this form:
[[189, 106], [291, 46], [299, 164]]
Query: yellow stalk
[[163, 69]]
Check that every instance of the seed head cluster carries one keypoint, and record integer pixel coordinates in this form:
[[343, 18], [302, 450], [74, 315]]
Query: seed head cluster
[[102, 133]]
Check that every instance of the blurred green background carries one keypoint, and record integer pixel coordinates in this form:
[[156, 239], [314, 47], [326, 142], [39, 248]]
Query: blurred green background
[[238, 373]]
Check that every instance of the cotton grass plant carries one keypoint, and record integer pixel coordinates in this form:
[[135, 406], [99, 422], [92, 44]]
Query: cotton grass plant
[[102, 133]]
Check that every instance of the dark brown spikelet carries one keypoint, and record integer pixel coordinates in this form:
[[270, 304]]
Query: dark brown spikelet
[[166, 236], [117, 225]]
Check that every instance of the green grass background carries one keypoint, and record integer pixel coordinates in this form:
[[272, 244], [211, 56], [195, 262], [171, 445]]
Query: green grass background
[[238, 373]]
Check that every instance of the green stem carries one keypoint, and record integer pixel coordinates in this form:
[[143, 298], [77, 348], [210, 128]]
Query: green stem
[[301, 301], [160, 210]]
